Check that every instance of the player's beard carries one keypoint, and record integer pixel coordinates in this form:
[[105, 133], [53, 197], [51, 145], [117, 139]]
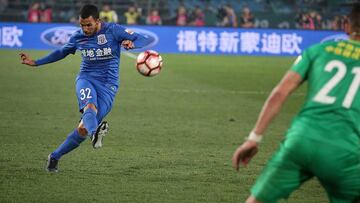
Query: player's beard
[[93, 32], [90, 33]]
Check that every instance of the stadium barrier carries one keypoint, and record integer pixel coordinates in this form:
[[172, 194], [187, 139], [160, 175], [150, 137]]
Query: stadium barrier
[[166, 39]]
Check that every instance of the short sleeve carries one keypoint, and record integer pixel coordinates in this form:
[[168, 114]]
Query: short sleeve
[[302, 64]]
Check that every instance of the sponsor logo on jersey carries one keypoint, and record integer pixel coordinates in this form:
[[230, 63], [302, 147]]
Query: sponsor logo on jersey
[[101, 39], [58, 36], [97, 53]]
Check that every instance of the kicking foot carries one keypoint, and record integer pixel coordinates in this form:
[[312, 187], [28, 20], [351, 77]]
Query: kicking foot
[[97, 137], [51, 165]]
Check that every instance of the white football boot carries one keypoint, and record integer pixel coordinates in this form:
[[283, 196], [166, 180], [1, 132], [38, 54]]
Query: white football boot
[[98, 136]]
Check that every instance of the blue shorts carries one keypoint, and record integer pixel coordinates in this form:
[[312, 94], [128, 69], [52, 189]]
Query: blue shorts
[[92, 91]]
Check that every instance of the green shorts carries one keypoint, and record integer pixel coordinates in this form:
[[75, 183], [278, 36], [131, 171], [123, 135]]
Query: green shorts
[[334, 161]]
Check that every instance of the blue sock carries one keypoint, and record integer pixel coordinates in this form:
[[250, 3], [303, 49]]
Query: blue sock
[[71, 142], [90, 121]]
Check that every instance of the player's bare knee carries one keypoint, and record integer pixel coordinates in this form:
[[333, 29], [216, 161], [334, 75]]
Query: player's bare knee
[[92, 106], [82, 131], [252, 199]]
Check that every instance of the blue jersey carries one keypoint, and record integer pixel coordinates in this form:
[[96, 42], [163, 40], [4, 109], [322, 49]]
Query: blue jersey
[[100, 52]]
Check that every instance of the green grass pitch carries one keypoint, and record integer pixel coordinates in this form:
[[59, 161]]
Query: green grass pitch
[[171, 136]]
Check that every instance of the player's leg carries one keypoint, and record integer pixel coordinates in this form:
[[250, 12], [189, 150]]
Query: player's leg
[[252, 199], [346, 189], [342, 182], [87, 97], [105, 100], [97, 136], [87, 94], [72, 141], [89, 122], [283, 174], [105, 94]]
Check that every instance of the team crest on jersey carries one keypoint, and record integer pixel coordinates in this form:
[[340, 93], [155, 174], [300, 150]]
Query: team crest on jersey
[[101, 39]]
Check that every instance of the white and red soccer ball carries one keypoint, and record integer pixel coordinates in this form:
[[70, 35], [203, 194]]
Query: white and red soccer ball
[[149, 63]]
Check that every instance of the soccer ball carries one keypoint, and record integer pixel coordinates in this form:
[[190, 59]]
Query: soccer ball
[[149, 63]]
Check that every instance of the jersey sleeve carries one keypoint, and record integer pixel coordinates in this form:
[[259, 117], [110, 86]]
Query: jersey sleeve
[[302, 64], [68, 48], [122, 34]]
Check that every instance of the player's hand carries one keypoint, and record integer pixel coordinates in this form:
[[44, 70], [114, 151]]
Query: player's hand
[[244, 153], [25, 59], [127, 44]]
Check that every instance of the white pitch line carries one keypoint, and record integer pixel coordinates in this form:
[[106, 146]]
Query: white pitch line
[[207, 92], [129, 54]]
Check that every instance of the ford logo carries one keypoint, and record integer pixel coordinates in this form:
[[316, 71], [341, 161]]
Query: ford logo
[[148, 34], [335, 38], [58, 36]]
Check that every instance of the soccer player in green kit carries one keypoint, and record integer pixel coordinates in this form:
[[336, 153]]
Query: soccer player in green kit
[[323, 140]]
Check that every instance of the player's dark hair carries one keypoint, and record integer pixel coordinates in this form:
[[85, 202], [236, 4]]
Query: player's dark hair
[[355, 18], [89, 10]]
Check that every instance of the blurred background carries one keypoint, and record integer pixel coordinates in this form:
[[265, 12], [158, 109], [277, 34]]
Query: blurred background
[[172, 136], [300, 14]]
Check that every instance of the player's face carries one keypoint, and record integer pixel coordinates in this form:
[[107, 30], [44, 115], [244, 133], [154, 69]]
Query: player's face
[[89, 25]]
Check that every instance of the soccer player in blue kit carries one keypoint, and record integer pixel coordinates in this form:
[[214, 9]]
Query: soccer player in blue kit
[[98, 80]]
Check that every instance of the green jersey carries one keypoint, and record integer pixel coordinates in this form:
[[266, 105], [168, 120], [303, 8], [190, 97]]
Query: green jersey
[[332, 70], [323, 140]]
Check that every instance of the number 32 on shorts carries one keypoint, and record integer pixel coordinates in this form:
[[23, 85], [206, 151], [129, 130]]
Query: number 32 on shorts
[[323, 95], [85, 93]]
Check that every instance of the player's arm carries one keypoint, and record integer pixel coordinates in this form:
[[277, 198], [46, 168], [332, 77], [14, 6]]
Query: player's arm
[[292, 80], [271, 108], [136, 41], [140, 41], [275, 101], [25, 59], [54, 56], [130, 39]]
